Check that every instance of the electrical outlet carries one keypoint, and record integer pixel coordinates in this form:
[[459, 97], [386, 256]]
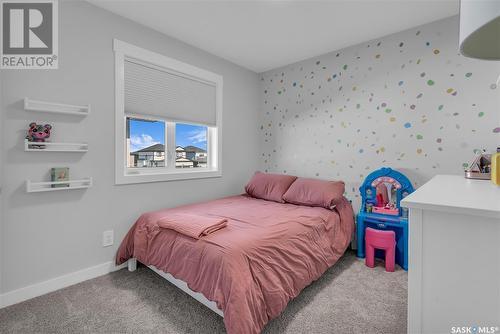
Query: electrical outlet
[[107, 238]]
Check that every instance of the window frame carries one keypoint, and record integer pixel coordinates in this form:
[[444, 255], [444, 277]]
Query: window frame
[[125, 175]]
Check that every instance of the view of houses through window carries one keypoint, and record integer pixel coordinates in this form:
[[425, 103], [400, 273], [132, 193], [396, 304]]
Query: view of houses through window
[[146, 144], [190, 146]]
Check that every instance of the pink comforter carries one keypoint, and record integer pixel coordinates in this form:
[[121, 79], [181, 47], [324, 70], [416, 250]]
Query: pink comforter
[[252, 268]]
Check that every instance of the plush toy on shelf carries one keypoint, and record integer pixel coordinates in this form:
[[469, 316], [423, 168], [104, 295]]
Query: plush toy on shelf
[[38, 133]]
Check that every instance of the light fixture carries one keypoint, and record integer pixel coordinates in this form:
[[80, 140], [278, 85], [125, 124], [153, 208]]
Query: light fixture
[[480, 29]]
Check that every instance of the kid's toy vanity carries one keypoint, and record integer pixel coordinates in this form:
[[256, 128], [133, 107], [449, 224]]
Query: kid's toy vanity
[[381, 194]]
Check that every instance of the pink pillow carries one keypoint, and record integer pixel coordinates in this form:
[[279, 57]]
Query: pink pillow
[[313, 192], [270, 187]]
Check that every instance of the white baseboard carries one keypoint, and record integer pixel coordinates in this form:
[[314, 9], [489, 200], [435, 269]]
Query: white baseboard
[[38, 289]]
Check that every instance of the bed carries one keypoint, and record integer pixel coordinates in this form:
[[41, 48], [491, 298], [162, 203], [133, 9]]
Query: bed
[[248, 271]]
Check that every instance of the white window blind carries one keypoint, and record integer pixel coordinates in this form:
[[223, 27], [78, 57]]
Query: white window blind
[[150, 90]]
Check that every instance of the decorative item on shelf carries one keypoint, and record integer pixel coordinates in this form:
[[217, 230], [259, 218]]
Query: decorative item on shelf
[[59, 174], [381, 194], [38, 133], [480, 168]]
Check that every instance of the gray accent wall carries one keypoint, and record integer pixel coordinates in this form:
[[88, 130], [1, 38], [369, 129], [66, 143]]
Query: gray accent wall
[[46, 235], [408, 101]]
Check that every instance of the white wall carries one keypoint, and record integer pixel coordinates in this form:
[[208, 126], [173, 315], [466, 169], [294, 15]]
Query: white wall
[[344, 114], [50, 234]]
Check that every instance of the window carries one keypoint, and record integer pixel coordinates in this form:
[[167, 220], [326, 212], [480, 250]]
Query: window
[[145, 143], [191, 146], [168, 118]]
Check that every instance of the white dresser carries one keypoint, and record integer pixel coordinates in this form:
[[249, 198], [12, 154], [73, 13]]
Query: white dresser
[[454, 256]]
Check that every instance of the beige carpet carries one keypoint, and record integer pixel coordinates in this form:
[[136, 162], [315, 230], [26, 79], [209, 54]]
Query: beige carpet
[[348, 298]]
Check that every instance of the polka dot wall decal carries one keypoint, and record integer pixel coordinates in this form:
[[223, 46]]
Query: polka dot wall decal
[[468, 75], [319, 120], [436, 51], [420, 95], [427, 43], [481, 114], [418, 33], [493, 86], [496, 130], [419, 137], [377, 56], [318, 62], [344, 67], [422, 74], [388, 110]]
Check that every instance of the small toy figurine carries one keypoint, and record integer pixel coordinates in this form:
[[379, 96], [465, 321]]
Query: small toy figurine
[[38, 133]]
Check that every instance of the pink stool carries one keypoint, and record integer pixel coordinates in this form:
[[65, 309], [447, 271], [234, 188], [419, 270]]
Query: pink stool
[[377, 239]]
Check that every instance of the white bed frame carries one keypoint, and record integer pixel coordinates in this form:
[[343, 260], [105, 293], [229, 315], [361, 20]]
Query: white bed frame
[[132, 266]]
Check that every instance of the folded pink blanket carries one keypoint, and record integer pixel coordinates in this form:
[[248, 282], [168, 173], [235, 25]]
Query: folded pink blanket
[[193, 226]]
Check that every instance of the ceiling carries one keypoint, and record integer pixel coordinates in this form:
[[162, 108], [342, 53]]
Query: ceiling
[[263, 35]]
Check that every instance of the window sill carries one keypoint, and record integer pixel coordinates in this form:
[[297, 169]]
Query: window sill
[[131, 178]]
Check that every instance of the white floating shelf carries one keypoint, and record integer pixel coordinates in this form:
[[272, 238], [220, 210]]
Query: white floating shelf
[[59, 108], [30, 146], [35, 187]]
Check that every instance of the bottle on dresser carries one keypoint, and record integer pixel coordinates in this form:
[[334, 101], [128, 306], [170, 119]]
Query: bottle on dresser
[[495, 167]]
